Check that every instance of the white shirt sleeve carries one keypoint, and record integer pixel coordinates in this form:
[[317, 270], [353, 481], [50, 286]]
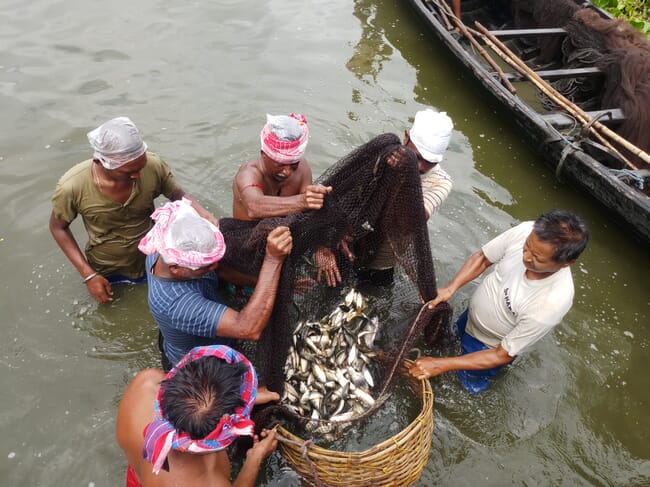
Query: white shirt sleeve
[[496, 248]]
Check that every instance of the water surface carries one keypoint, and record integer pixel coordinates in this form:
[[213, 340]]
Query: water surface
[[198, 78]]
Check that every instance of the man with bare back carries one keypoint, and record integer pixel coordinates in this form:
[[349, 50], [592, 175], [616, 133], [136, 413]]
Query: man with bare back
[[175, 429], [279, 181]]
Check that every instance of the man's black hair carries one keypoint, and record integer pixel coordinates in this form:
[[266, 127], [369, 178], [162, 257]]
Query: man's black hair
[[200, 393], [566, 231]]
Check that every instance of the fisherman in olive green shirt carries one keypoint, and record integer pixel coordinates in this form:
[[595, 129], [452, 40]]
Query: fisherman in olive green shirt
[[114, 193]]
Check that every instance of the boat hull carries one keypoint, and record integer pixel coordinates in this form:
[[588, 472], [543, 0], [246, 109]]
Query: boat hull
[[571, 164]]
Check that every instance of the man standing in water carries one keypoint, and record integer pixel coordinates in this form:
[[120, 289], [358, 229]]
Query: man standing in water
[[521, 300], [114, 193], [428, 139], [183, 253], [175, 428], [279, 181]]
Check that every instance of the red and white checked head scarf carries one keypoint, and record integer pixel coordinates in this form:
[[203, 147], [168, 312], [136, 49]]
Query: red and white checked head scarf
[[182, 237], [284, 138]]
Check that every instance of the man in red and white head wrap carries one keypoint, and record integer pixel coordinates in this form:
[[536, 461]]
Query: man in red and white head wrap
[[183, 252], [279, 181], [174, 429]]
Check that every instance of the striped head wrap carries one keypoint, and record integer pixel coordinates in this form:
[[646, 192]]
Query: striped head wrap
[[160, 436], [284, 138], [181, 236]]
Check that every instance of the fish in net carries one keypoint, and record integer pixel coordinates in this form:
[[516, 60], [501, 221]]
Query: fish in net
[[371, 202]]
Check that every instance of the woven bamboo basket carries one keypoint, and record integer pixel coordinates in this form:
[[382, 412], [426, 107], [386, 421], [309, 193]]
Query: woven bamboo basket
[[397, 461]]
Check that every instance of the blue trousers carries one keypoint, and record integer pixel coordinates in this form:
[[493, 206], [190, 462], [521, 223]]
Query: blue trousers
[[117, 279], [474, 381]]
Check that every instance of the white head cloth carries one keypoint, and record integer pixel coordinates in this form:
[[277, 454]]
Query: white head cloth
[[430, 133], [117, 142]]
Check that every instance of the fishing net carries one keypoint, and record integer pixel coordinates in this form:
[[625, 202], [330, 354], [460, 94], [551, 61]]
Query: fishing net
[[373, 203], [625, 60], [620, 51], [529, 14]]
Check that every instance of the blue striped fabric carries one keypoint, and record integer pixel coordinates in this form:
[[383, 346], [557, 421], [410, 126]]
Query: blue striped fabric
[[187, 312]]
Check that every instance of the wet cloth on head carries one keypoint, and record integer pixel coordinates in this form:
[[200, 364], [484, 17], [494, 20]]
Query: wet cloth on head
[[431, 133], [474, 381], [284, 138], [160, 436], [117, 142], [182, 237]]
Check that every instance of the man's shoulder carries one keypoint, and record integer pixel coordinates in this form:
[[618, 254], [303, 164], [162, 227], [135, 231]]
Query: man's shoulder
[[155, 163], [435, 173], [305, 169], [77, 173], [165, 294], [148, 379], [253, 164], [249, 169], [143, 387], [508, 243], [518, 234], [436, 178]]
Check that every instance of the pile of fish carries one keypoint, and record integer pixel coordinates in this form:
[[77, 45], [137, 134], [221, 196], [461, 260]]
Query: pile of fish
[[329, 369]]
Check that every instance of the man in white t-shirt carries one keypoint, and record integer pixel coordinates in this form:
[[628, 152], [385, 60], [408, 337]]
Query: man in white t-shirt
[[521, 300]]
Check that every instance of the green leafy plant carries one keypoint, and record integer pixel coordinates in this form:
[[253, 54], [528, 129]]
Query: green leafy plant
[[636, 12]]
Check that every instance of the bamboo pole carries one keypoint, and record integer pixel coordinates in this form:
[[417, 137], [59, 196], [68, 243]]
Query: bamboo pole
[[595, 127], [443, 6], [443, 16]]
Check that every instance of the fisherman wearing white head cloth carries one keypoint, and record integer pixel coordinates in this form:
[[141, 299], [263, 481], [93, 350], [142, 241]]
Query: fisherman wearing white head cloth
[[114, 193], [428, 138]]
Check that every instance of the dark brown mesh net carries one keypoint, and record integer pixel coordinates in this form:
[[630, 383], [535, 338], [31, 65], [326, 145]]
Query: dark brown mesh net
[[613, 45], [371, 202]]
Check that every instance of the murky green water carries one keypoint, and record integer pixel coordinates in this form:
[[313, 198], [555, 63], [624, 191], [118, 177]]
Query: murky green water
[[197, 78]]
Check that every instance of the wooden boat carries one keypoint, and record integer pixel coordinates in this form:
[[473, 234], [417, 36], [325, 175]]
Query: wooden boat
[[507, 50]]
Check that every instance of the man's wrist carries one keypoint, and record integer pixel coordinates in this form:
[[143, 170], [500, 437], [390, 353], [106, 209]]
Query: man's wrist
[[89, 277], [278, 259]]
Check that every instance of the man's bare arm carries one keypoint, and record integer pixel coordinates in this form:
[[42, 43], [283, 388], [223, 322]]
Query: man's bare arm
[[471, 269], [251, 203], [249, 323], [256, 205], [133, 414], [426, 367], [98, 286], [262, 448]]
